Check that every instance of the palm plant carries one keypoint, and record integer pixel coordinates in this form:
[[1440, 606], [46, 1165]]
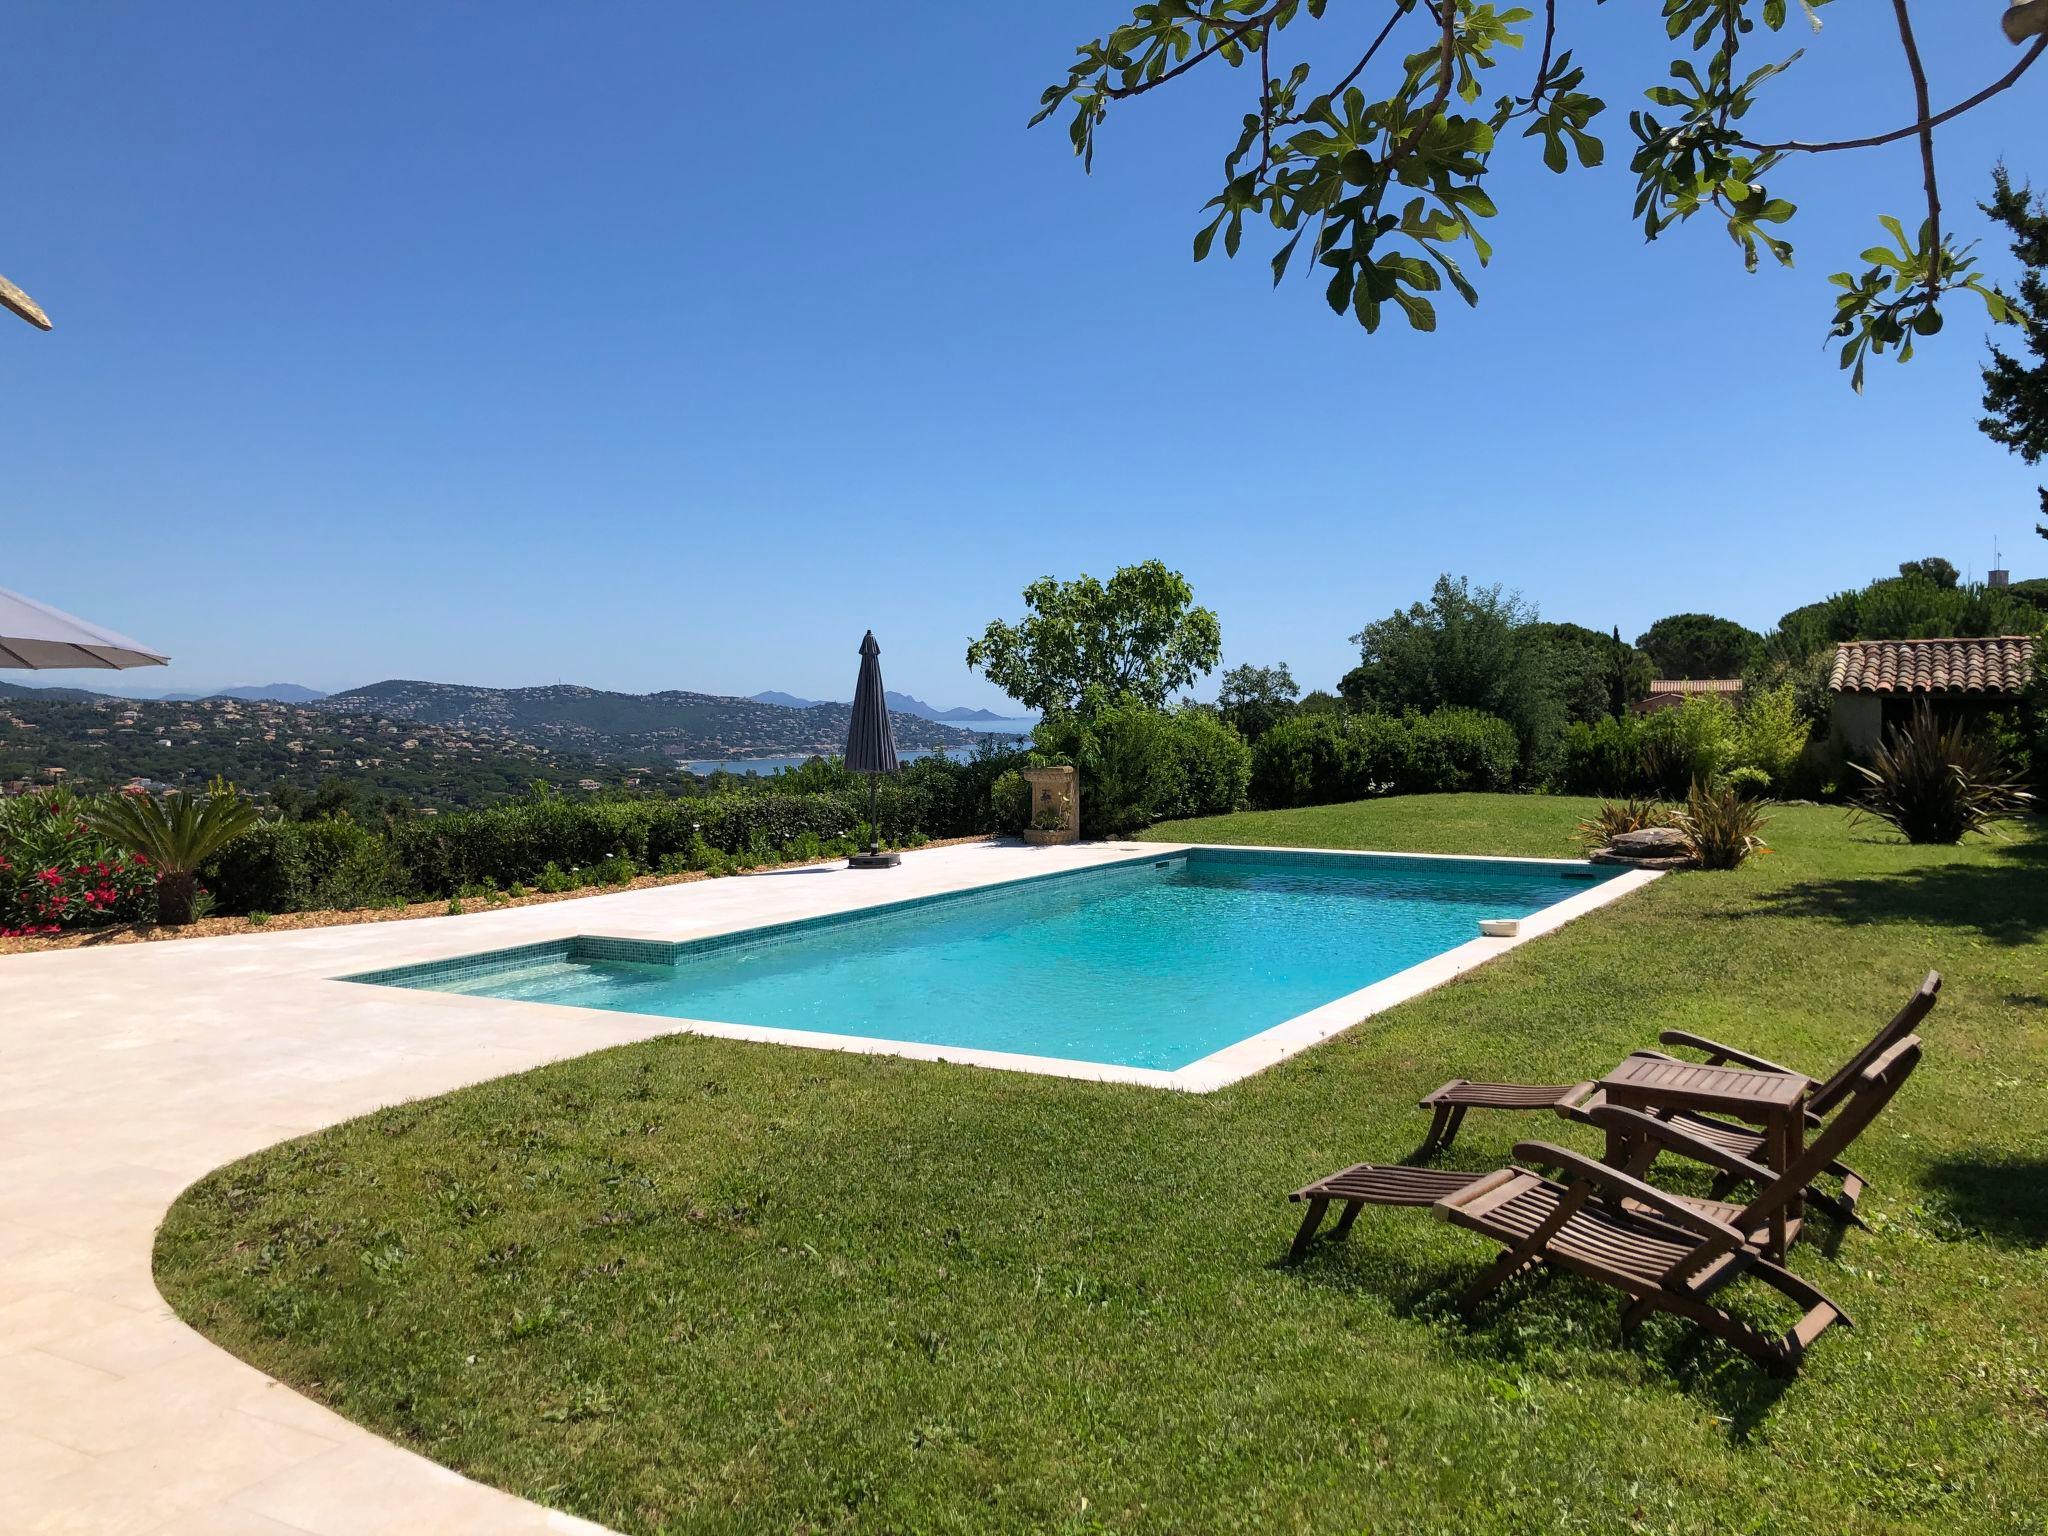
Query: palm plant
[[1937, 783], [176, 834]]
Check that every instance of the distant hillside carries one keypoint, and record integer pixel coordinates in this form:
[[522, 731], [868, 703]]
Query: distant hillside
[[90, 741], [30, 692], [902, 702], [618, 726], [279, 693], [282, 693]]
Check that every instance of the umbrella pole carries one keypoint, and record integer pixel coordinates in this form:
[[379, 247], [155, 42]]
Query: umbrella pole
[[874, 829]]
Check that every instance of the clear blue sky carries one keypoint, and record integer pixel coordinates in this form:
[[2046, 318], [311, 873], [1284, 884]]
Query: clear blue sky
[[660, 346]]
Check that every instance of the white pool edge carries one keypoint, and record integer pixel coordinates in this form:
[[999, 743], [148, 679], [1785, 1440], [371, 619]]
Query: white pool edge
[[1235, 1062], [1292, 1036]]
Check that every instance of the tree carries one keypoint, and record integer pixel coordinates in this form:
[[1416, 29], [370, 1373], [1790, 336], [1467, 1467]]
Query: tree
[[2016, 392], [176, 834], [1902, 608], [1698, 645], [1085, 644], [1934, 569], [1457, 648], [1584, 674], [1394, 182], [1629, 674], [1483, 648], [1255, 699]]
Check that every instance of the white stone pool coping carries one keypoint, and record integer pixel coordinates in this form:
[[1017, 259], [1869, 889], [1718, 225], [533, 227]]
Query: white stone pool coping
[[1219, 1069], [129, 1071]]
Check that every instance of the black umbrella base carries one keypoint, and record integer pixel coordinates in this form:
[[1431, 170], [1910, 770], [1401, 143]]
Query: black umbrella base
[[874, 861]]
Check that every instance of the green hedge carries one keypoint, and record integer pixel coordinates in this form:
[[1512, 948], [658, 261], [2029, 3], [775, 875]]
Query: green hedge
[[1322, 759], [337, 863]]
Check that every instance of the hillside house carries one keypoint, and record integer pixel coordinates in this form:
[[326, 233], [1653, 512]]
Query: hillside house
[[1670, 692], [1875, 684]]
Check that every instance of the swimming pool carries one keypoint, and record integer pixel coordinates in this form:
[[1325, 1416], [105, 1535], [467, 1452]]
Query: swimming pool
[[1147, 968]]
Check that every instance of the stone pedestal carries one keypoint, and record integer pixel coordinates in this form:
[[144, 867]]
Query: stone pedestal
[[1053, 789]]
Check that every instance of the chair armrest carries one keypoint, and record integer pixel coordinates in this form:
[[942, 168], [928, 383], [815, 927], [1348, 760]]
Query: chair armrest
[[1576, 1100], [1673, 1136], [1721, 1054], [1614, 1181]]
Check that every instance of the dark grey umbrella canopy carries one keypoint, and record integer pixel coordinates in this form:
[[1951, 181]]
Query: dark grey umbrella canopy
[[870, 747]]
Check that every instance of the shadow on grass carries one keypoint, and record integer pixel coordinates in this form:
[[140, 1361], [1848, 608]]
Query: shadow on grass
[[2003, 1199], [1538, 1318], [2005, 902]]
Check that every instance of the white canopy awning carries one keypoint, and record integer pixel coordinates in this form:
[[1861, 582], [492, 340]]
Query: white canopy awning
[[36, 636]]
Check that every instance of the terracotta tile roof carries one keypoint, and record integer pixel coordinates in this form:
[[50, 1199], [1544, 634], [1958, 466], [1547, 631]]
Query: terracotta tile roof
[[2000, 664], [1697, 685]]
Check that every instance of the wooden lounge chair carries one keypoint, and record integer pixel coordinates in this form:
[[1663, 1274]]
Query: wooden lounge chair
[[1665, 1252], [1577, 1101]]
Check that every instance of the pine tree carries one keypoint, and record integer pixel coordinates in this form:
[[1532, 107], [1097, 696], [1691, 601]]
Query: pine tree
[[2016, 392]]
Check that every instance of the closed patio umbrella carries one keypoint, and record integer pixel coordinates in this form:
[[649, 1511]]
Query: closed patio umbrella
[[870, 748], [38, 637], [13, 298]]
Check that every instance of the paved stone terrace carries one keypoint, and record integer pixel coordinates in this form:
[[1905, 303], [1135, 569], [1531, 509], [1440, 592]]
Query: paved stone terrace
[[127, 1072]]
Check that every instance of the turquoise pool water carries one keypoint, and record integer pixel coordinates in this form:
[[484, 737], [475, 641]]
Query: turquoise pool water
[[1150, 963]]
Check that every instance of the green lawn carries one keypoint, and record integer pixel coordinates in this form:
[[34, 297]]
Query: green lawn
[[702, 1286]]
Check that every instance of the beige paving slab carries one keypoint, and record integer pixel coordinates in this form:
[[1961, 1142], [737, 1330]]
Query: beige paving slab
[[128, 1071], [29, 1461]]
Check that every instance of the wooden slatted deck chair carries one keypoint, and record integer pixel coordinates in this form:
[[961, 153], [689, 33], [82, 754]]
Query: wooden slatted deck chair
[[1577, 1101], [1664, 1252]]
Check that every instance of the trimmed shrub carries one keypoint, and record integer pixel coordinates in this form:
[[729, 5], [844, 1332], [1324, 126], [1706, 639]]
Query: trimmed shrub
[[1300, 761], [335, 862], [1455, 750], [1603, 758], [1379, 757], [1321, 759], [302, 866], [1210, 769]]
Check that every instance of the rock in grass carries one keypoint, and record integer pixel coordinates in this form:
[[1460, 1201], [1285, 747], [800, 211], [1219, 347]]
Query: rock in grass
[[1646, 848]]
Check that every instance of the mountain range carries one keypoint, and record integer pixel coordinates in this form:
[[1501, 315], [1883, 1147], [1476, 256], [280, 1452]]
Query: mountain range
[[901, 703], [434, 743], [299, 693], [277, 693], [96, 741], [618, 726]]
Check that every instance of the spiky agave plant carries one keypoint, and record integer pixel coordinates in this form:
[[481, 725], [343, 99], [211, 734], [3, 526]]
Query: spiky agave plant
[[177, 834], [1721, 827], [1936, 783]]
